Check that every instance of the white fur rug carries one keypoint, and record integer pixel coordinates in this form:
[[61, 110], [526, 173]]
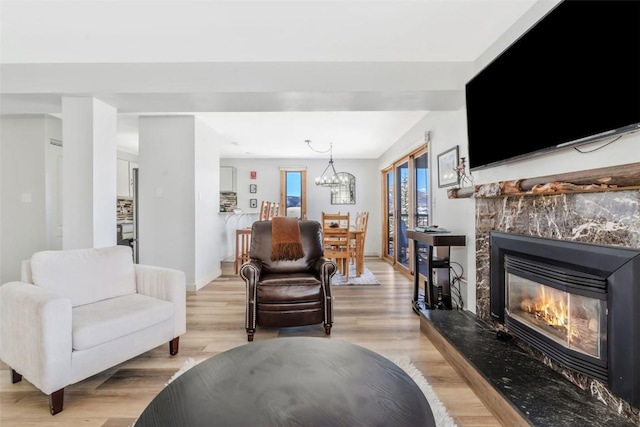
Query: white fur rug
[[440, 414]]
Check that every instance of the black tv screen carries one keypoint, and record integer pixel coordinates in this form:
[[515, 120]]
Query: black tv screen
[[573, 77]]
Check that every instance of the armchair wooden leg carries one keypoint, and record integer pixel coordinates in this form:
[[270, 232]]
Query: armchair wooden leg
[[327, 328], [15, 377], [173, 346], [55, 401], [250, 333]]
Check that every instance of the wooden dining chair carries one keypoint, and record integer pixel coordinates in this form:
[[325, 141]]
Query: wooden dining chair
[[268, 210], [357, 240], [265, 209], [243, 235], [243, 245], [336, 238], [274, 210]]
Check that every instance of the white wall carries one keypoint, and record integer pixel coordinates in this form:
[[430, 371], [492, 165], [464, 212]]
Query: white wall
[[104, 174], [448, 129], [318, 198], [89, 181], [53, 185], [208, 250], [23, 191], [166, 193], [178, 197]]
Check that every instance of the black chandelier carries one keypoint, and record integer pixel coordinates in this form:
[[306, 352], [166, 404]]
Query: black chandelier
[[329, 177]]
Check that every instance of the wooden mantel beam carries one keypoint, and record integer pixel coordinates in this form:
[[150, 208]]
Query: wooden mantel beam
[[601, 179]]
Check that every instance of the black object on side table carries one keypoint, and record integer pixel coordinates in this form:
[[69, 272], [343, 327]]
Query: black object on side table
[[436, 295]]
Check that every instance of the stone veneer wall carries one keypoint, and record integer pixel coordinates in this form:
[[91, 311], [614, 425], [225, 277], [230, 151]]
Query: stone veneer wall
[[228, 201], [609, 218]]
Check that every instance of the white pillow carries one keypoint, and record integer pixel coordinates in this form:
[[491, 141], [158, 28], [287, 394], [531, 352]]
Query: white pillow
[[85, 275]]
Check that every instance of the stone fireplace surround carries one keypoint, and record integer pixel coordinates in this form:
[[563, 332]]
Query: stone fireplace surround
[[607, 218], [518, 383]]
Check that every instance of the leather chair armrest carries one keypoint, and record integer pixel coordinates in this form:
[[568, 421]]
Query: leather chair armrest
[[324, 270], [35, 334], [324, 266], [251, 271]]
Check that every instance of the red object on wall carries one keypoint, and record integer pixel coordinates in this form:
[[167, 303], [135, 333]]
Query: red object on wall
[[253, 174]]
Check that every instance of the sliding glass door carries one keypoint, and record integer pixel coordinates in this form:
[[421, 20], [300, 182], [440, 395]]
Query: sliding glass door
[[406, 205], [389, 216], [421, 202], [402, 211]]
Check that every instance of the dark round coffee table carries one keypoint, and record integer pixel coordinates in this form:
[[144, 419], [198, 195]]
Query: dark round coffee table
[[299, 381]]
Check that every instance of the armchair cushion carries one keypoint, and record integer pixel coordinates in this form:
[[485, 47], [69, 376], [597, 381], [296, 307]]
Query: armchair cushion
[[85, 276], [277, 288], [107, 320]]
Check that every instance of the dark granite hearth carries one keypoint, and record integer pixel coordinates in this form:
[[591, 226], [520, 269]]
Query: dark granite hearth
[[542, 396]]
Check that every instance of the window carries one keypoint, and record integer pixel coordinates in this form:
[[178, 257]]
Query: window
[[293, 192]]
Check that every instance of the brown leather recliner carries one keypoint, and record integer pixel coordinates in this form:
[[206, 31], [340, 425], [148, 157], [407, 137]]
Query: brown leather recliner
[[288, 293]]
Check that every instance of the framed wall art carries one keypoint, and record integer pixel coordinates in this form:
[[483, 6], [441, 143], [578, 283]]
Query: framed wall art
[[447, 173], [253, 188]]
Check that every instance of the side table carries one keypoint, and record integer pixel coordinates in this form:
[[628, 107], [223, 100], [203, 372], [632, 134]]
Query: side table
[[441, 264]]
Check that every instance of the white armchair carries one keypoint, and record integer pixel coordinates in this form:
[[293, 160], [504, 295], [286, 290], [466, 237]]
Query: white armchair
[[78, 312]]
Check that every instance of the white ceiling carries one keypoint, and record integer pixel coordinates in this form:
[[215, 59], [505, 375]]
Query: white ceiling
[[267, 75]]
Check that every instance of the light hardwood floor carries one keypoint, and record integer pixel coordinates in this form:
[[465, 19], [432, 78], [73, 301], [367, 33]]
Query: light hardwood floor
[[379, 318]]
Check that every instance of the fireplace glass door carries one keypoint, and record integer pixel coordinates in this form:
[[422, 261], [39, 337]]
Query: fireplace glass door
[[571, 320]]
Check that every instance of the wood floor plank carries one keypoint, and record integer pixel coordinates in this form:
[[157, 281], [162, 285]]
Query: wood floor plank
[[379, 318]]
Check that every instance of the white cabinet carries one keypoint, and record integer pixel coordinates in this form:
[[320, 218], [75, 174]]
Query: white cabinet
[[227, 179], [124, 178]]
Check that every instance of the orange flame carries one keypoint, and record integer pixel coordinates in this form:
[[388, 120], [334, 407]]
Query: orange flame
[[551, 306]]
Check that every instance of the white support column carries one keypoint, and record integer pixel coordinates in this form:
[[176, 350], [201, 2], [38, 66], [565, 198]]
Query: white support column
[[89, 129], [178, 197]]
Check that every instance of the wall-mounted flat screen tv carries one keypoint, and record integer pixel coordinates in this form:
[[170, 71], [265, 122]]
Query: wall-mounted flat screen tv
[[572, 78]]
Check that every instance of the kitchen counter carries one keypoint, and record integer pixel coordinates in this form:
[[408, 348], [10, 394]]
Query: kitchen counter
[[232, 222], [239, 213]]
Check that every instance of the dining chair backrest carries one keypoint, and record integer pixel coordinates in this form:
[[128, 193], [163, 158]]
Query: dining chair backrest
[[357, 241], [335, 220], [362, 218], [335, 239], [268, 210], [275, 210], [265, 206]]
